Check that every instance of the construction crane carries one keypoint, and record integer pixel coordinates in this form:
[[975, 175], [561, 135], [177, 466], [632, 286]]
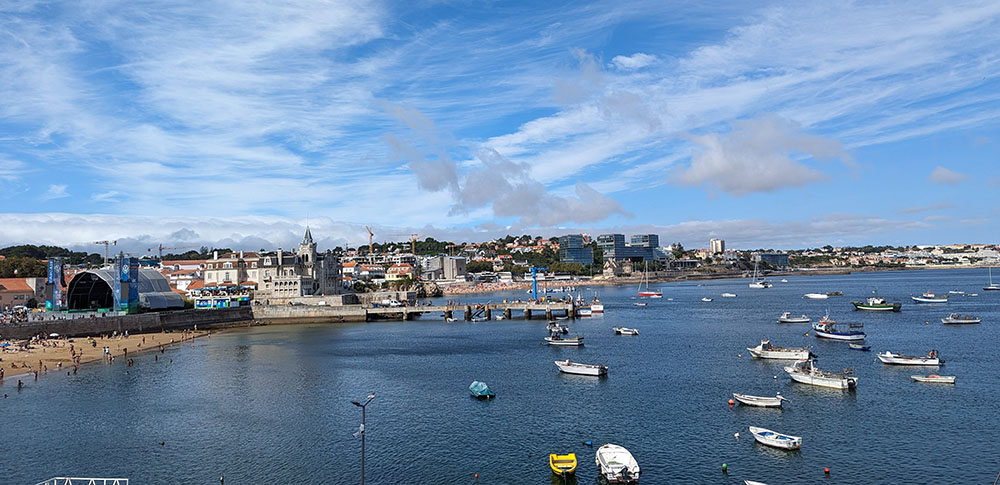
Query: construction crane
[[413, 243], [106, 244], [371, 246], [160, 248]]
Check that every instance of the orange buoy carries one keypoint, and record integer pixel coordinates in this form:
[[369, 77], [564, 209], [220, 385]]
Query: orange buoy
[[826, 470], [731, 402]]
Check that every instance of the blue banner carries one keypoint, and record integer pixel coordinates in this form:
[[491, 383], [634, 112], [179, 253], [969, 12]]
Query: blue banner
[[57, 283], [116, 289], [51, 276], [133, 285]]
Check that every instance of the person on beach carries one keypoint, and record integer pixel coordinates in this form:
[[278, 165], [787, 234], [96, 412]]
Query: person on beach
[[19, 384]]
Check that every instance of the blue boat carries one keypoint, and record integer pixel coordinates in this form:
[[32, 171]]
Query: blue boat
[[863, 348], [480, 390]]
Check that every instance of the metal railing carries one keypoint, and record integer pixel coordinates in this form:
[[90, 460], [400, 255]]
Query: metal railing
[[84, 481]]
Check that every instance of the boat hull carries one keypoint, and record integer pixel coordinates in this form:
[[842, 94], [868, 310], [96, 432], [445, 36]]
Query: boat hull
[[796, 354], [816, 296], [895, 359], [934, 379], [758, 401], [562, 465], [616, 464], [832, 381], [920, 299], [846, 336], [775, 439], [581, 369], [888, 307], [626, 331]]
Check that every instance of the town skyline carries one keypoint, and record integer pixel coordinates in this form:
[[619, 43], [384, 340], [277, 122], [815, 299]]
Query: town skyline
[[232, 125]]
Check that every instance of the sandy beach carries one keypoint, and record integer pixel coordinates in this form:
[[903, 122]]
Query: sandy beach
[[68, 355]]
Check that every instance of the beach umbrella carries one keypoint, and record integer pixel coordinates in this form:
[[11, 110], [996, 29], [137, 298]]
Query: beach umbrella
[[53, 335], [5, 344]]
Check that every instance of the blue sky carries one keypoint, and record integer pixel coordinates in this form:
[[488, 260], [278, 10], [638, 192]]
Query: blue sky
[[236, 123]]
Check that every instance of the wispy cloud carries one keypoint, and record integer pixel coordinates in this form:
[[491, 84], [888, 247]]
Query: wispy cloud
[[55, 192], [926, 208], [638, 60], [110, 196], [945, 176]]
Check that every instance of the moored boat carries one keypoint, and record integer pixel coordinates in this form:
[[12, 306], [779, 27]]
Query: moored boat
[[758, 281], [896, 358], [562, 465], [816, 296], [760, 401], [776, 439], [767, 351], [751, 482], [992, 286], [861, 347], [617, 465], [934, 379], [956, 318], [830, 330], [835, 293], [639, 303], [596, 306], [565, 342], [729, 295], [706, 299], [877, 304], [581, 369], [788, 318], [644, 286], [480, 390], [584, 312], [929, 297], [805, 372], [626, 331]]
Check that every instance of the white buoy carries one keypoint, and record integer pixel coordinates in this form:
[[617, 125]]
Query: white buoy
[[737, 435]]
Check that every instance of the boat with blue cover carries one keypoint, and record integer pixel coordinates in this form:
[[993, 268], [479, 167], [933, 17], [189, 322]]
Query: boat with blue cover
[[480, 390]]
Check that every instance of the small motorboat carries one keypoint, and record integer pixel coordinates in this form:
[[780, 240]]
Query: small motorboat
[[581, 369], [805, 371], [751, 482], [788, 318], [931, 358], [562, 465], [767, 351], [706, 299], [955, 318], [877, 304], [956, 292], [617, 465], [584, 312], [626, 331], [760, 401], [863, 348], [783, 280], [928, 297], [776, 439], [934, 379], [729, 295], [835, 293], [816, 296], [640, 303], [565, 342], [830, 330], [480, 390]]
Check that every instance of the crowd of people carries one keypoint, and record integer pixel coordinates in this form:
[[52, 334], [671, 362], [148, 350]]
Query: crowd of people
[[14, 316]]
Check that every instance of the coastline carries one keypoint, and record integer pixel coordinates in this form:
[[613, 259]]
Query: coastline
[[54, 355]]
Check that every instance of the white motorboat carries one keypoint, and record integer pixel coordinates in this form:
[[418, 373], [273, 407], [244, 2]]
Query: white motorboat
[[596, 306], [805, 372], [617, 465], [784, 280], [751, 482], [729, 295], [788, 318], [816, 296], [581, 369], [584, 312], [928, 297], [760, 401], [640, 303], [565, 342], [934, 379], [626, 331], [776, 439], [956, 292], [706, 299], [956, 318], [828, 329], [931, 358], [767, 351]]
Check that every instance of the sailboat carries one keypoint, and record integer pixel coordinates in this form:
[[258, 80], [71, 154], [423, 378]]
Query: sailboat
[[644, 285], [758, 282], [993, 286]]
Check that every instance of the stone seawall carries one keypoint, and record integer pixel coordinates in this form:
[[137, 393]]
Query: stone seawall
[[144, 322], [276, 314]]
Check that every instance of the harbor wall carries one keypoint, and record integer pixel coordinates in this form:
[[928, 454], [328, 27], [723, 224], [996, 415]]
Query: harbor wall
[[144, 322], [309, 314]]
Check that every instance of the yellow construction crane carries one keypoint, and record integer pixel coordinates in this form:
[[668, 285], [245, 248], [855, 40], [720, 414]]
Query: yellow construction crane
[[413, 243], [106, 244]]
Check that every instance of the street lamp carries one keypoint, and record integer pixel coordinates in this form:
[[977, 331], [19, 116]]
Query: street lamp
[[361, 432]]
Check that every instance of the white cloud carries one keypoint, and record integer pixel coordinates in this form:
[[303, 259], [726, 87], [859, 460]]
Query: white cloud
[[944, 176], [926, 208], [55, 192], [110, 196], [638, 60], [756, 156]]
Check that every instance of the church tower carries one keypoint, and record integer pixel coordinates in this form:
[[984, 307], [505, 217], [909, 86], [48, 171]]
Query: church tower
[[307, 250]]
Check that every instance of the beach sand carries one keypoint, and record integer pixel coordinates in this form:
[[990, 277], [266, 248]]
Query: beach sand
[[46, 356]]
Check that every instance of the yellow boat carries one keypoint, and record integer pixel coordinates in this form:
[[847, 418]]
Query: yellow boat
[[562, 464]]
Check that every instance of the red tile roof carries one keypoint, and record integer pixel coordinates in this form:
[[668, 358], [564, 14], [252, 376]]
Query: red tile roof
[[15, 285]]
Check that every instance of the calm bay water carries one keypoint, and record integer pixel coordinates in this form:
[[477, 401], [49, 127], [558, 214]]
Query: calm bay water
[[272, 404]]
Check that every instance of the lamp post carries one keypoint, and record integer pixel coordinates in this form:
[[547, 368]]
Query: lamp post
[[361, 432]]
